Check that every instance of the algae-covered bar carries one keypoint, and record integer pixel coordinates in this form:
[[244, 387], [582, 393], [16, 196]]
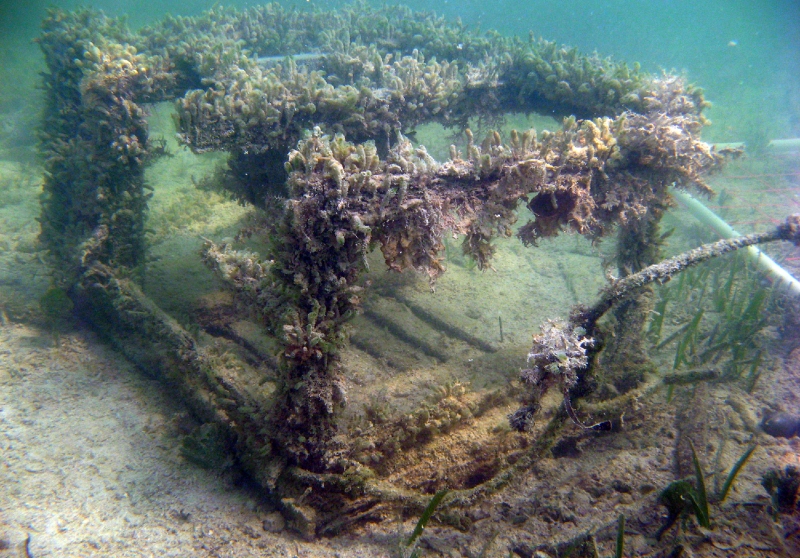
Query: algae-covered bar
[[313, 110]]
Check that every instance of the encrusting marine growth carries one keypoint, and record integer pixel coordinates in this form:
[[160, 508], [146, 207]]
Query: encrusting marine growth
[[563, 351], [318, 142]]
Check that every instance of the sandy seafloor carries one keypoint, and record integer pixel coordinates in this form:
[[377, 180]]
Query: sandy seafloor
[[89, 444]]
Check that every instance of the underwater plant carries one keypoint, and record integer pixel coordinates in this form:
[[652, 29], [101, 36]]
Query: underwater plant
[[682, 497], [619, 549], [732, 297], [409, 549], [551, 347]]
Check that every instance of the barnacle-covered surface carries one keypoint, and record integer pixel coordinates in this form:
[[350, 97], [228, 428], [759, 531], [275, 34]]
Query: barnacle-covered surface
[[349, 392], [375, 60], [344, 199], [94, 140], [99, 74], [142, 492], [400, 73]]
